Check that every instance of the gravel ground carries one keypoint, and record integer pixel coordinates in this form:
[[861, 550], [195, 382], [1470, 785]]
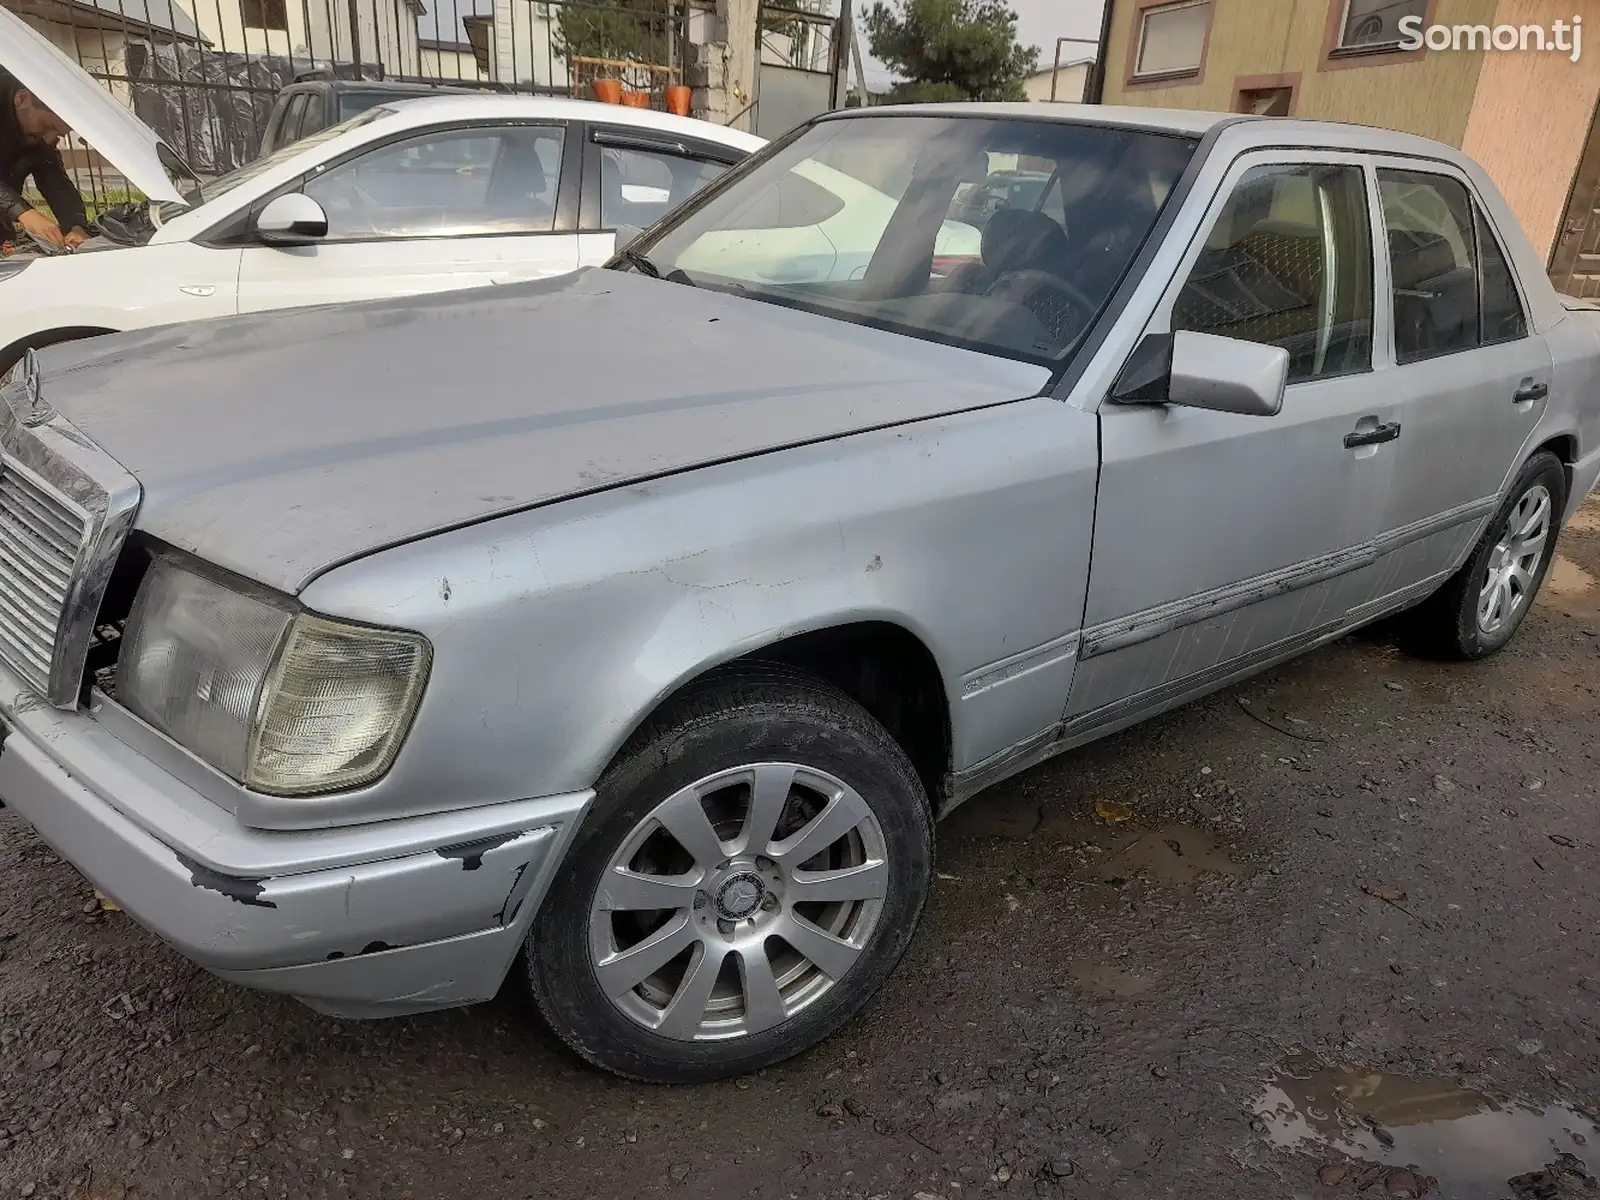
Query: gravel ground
[[1285, 942]]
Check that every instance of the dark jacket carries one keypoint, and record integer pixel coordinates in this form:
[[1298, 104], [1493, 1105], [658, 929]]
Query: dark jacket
[[19, 159]]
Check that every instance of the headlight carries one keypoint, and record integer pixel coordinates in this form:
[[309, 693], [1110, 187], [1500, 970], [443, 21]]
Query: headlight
[[12, 267], [283, 701]]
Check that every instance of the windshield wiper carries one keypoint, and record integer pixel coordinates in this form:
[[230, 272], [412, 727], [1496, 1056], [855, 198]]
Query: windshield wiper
[[640, 261]]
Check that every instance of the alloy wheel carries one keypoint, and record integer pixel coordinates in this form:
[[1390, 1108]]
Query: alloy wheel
[[738, 901], [1514, 564]]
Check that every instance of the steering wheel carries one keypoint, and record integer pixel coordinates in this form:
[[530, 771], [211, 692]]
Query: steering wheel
[[1060, 307]]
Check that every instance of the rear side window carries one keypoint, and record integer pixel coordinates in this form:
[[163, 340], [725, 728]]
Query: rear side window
[[1503, 318], [1289, 263], [639, 187], [1432, 254], [794, 202]]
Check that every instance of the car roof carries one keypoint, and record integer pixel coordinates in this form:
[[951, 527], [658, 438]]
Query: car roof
[[1162, 120], [1189, 122], [473, 106]]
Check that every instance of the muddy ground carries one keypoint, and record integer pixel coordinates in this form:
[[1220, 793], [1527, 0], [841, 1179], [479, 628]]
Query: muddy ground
[[1350, 925]]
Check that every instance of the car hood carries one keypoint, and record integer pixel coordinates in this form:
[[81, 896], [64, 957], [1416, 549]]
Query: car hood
[[93, 113], [282, 444]]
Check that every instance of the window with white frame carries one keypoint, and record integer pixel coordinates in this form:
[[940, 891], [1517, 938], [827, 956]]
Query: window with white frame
[[1172, 39], [1374, 24]]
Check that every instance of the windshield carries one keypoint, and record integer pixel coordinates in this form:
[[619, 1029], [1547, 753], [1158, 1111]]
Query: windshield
[[872, 220], [224, 184], [352, 104]]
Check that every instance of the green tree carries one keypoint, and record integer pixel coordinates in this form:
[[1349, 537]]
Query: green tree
[[950, 49], [631, 30]]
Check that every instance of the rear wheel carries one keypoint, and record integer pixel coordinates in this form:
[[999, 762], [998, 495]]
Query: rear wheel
[[752, 870], [1479, 609]]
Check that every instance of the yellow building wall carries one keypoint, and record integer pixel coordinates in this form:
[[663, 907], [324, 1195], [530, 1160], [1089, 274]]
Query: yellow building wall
[[1531, 119], [1430, 95]]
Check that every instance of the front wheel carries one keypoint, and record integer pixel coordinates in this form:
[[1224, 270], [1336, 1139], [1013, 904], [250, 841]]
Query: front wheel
[[1479, 609], [752, 870]]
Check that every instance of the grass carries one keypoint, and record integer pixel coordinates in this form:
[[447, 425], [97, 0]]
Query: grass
[[94, 204]]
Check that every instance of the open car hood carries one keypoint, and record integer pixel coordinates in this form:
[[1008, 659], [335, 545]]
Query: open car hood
[[94, 114]]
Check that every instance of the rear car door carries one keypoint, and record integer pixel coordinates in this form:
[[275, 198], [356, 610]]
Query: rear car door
[[635, 177], [434, 210], [1225, 541], [1471, 381]]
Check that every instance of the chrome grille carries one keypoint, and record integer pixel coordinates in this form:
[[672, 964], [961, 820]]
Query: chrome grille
[[41, 536]]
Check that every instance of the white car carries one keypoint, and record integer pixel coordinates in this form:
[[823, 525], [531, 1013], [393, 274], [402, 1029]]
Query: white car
[[418, 196], [817, 225]]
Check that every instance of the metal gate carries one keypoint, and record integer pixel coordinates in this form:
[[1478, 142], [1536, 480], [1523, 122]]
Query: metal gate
[[798, 66]]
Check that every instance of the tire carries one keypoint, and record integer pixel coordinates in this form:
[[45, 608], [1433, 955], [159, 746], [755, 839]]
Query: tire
[[726, 751], [1448, 625]]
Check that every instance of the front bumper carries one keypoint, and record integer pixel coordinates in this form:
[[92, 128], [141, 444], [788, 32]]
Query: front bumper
[[364, 920]]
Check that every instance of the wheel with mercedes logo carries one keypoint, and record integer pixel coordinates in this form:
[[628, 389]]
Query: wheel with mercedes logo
[[752, 869]]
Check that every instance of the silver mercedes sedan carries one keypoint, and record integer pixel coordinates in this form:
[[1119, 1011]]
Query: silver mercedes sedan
[[625, 635]]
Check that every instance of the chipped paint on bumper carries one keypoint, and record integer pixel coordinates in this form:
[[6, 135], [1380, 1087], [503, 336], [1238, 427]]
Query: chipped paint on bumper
[[426, 913]]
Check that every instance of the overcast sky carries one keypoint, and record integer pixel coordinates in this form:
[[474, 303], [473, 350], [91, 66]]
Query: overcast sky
[[1039, 22]]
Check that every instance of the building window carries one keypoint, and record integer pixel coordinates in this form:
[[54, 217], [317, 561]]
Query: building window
[[1172, 39], [266, 14], [1375, 24]]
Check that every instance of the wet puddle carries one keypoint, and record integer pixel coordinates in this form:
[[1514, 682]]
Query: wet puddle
[[1569, 589], [1173, 854], [1472, 1147]]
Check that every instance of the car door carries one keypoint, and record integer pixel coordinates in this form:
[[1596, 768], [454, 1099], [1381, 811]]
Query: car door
[[635, 176], [445, 208], [1224, 541], [1471, 381]]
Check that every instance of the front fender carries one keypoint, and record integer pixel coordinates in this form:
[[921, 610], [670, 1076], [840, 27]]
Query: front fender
[[557, 631]]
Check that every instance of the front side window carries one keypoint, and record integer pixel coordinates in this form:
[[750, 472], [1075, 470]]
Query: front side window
[[1289, 263], [869, 237], [639, 187], [1375, 24], [224, 184], [447, 183], [1433, 261], [1172, 39]]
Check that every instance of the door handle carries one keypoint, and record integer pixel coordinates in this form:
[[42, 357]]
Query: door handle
[[1533, 391], [1372, 437]]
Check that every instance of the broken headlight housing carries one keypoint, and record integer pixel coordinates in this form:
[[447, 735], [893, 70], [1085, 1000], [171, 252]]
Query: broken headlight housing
[[286, 702]]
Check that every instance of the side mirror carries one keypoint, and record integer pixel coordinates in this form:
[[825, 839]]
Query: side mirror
[[626, 236], [292, 219], [1201, 370]]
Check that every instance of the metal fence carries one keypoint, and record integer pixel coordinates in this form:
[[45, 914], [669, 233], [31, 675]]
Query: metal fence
[[205, 74]]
